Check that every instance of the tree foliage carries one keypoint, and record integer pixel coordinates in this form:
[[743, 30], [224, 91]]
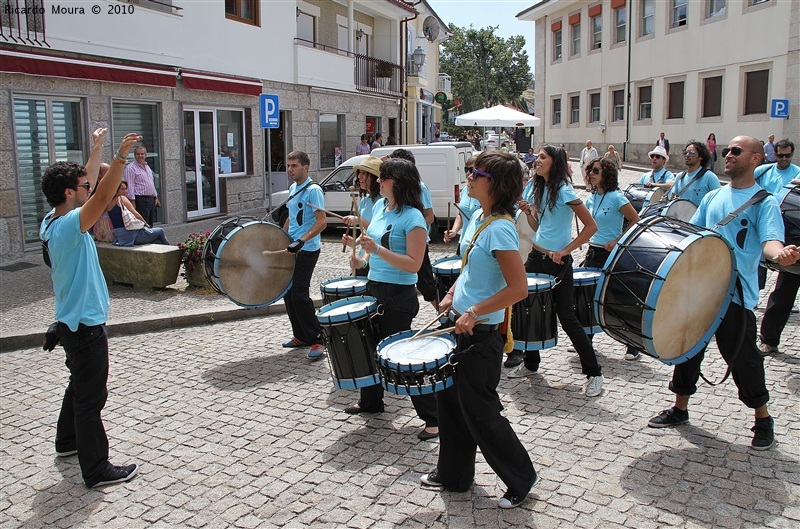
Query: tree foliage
[[485, 69]]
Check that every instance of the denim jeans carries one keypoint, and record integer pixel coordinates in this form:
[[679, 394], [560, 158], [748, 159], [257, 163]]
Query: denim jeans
[[80, 426]]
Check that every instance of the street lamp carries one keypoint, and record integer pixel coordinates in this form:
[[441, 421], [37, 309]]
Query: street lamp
[[418, 57]]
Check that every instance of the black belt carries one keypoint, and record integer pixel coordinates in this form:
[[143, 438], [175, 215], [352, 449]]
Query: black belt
[[481, 327]]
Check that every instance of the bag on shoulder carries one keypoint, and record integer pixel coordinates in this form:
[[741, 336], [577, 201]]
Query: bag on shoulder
[[130, 220], [45, 245]]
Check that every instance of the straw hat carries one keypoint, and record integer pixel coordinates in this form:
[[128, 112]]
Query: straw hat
[[371, 165]]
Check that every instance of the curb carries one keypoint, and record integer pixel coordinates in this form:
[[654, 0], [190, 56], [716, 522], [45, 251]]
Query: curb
[[32, 338]]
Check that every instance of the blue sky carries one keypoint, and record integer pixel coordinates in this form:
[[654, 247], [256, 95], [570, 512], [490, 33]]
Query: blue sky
[[485, 13]]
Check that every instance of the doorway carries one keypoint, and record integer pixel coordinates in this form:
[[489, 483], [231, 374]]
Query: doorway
[[200, 160], [277, 145]]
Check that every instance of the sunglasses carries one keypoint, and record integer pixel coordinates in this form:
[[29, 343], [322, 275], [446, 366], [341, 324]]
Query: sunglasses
[[467, 170], [595, 170], [691, 153], [477, 173], [381, 177], [86, 185], [736, 151], [784, 155], [654, 156]]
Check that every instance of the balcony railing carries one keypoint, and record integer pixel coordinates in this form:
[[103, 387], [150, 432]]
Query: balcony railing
[[22, 22], [445, 83], [376, 76]]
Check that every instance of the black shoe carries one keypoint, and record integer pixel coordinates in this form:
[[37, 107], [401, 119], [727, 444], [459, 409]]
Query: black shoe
[[514, 359], [425, 435], [431, 479], [764, 436], [355, 410], [113, 474], [511, 499], [669, 417]]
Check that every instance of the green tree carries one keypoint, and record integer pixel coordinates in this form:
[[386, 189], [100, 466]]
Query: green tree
[[485, 69]]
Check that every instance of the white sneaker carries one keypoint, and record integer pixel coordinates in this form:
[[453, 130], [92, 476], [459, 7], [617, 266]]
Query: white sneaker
[[520, 372], [595, 386], [635, 355]]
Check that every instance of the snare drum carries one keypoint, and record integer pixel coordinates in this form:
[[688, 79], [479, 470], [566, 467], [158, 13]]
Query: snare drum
[[665, 288], [235, 266], [418, 367], [533, 320], [445, 273], [641, 196], [790, 211], [680, 209], [584, 282], [344, 287], [350, 339]]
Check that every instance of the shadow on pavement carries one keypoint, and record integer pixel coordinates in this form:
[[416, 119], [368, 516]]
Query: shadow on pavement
[[249, 373]]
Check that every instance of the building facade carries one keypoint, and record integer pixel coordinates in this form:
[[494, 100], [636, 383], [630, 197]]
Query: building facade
[[187, 76], [622, 71]]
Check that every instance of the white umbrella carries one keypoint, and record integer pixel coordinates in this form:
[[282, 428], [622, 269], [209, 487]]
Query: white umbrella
[[497, 116]]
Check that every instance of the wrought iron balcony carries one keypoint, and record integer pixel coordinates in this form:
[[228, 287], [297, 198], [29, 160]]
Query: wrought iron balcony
[[22, 22], [376, 76]]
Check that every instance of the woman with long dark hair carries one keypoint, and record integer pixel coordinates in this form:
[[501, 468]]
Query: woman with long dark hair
[[550, 216], [492, 278], [395, 243]]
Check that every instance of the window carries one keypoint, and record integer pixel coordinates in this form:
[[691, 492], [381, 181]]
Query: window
[[557, 45], [576, 39], [331, 140], [46, 130], [230, 134], [597, 32], [618, 97], [675, 100], [557, 111], [712, 97], [306, 29], [678, 14], [620, 24], [756, 86], [242, 11], [648, 17], [575, 109], [594, 106], [715, 8], [645, 102]]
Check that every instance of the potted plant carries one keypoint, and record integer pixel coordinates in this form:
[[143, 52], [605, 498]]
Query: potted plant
[[192, 259], [383, 75]]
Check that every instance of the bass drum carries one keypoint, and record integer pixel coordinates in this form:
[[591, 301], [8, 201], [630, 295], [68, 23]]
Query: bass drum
[[790, 211], [236, 267], [665, 288], [640, 196], [525, 233]]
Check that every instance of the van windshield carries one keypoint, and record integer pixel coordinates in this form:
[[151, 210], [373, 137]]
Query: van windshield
[[341, 179]]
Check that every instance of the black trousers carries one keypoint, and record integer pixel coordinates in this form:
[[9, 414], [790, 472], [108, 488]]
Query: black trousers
[[779, 307], [146, 206], [747, 368], [80, 426], [299, 306], [539, 263], [398, 304], [425, 281], [469, 417]]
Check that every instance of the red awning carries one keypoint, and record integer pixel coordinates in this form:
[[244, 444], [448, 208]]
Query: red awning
[[57, 66], [216, 83]]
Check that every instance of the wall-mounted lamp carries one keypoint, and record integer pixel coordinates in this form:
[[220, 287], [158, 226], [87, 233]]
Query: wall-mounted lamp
[[359, 34], [602, 127], [418, 56]]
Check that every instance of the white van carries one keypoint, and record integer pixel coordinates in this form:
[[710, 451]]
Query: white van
[[441, 167]]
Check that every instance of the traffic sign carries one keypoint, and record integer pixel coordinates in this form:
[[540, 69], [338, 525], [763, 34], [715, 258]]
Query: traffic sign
[[270, 111], [780, 108]]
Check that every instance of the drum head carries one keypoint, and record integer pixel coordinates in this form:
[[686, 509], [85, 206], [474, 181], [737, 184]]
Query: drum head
[[525, 234], [344, 283], [447, 266], [586, 276], [681, 209], [348, 309], [397, 352], [538, 282], [248, 277], [691, 299]]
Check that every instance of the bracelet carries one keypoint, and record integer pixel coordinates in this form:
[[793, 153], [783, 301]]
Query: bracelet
[[119, 158], [451, 293], [377, 249], [471, 312]]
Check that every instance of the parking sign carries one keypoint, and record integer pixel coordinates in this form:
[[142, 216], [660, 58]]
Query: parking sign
[[270, 111], [780, 108]]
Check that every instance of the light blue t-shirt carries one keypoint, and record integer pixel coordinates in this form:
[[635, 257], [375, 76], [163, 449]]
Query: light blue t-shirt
[[773, 180], [746, 233], [555, 226], [365, 206], [605, 208], [389, 230], [78, 282], [467, 205], [661, 177], [482, 278], [699, 189], [527, 192], [301, 216], [427, 201]]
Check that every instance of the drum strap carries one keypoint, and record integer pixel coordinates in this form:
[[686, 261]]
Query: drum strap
[[755, 199], [694, 179], [739, 340]]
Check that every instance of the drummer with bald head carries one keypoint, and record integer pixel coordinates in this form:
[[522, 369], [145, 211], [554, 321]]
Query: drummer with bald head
[[758, 228], [305, 223]]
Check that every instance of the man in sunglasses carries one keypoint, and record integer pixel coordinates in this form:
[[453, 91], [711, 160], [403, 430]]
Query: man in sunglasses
[[757, 229], [82, 305], [660, 176], [775, 178], [696, 181]]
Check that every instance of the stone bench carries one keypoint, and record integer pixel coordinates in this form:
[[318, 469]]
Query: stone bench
[[145, 266]]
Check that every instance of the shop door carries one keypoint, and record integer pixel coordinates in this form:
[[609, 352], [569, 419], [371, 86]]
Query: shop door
[[200, 155], [277, 146]]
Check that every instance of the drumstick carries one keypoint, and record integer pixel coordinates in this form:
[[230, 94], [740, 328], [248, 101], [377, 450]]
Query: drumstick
[[462, 212], [428, 326], [445, 331], [329, 213], [272, 252], [347, 229], [448, 219]]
